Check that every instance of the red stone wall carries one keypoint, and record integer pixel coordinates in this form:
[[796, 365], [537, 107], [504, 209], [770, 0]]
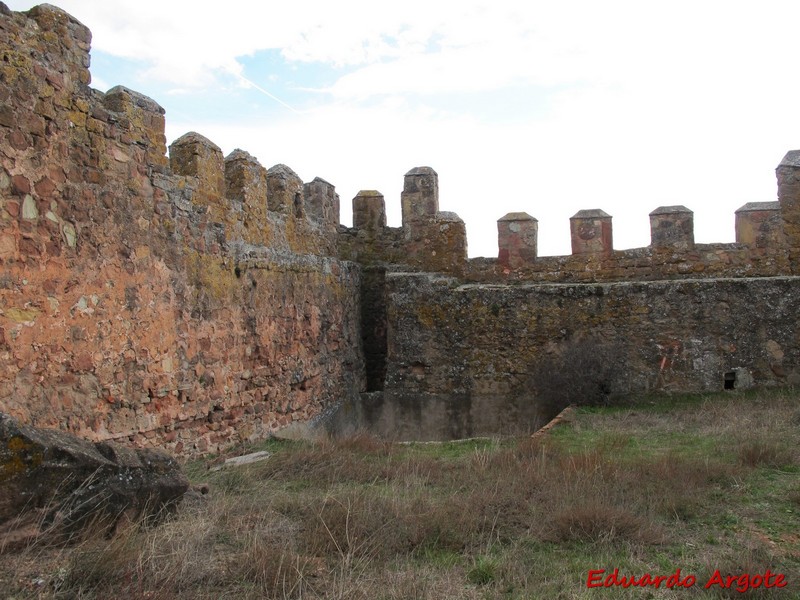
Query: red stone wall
[[139, 303]]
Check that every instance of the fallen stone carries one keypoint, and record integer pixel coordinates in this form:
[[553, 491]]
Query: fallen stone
[[564, 417], [54, 485], [245, 459]]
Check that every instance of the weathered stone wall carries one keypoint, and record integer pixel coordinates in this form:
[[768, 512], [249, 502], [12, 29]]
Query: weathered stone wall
[[460, 356], [188, 305], [638, 264], [198, 300], [434, 241], [788, 173], [454, 357]]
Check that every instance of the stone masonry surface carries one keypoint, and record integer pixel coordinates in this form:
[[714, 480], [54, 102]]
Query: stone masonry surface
[[191, 300], [153, 303], [469, 348]]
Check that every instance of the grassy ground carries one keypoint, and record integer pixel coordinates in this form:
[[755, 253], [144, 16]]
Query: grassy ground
[[692, 483]]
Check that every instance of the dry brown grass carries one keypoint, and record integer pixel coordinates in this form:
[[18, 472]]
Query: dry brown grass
[[597, 522], [361, 518], [760, 452]]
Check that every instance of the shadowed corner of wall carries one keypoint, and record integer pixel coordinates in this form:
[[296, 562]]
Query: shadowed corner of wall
[[337, 420]]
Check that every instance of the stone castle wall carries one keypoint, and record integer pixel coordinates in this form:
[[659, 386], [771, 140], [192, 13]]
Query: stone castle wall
[[189, 302], [435, 241], [461, 355], [451, 355], [195, 300]]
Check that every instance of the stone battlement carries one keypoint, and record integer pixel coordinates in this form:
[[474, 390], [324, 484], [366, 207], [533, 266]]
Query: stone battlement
[[428, 238], [266, 207], [239, 199], [759, 233], [436, 241], [760, 249]]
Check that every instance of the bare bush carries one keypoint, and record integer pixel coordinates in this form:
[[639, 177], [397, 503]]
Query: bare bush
[[765, 452], [596, 521], [582, 372]]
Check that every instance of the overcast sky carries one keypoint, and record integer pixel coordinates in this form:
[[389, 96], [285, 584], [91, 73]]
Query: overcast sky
[[542, 107]]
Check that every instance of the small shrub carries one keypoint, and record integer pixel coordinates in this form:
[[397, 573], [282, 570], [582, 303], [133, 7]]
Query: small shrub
[[99, 566], [599, 522], [483, 572], [669, 485], [354, 523], [764, 453], [272, 567]]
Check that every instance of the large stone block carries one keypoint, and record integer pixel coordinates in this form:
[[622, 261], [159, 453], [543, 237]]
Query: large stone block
[[57, 485]]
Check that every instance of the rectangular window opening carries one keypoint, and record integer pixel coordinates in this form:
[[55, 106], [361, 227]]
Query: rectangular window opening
[[730, 380]]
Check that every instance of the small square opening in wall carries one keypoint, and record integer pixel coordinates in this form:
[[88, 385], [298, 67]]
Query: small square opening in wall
[[729, 381]]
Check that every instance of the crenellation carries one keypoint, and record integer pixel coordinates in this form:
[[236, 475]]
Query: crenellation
[[322, 204], [294, 212], [246, 188], [193, 155], [428, 239], [444, 249], [420, 196], [74, 43], [138, 122], [788, 174], [517, 239], [760, 250], [426, 243], [285, 191], [433, 240], [369, 211], [199, 164], [590, 232], [759, 225], [672, 228]]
